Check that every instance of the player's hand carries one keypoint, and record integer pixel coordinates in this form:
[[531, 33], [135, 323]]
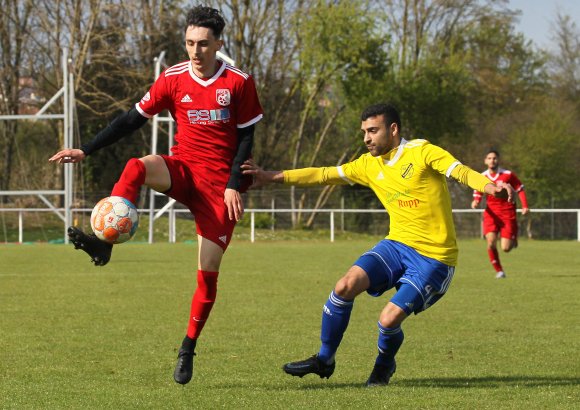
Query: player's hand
[[233, 201], [501, 190], [249, 167], [525, 211], [261, 177], [474, 204], [68, 155]]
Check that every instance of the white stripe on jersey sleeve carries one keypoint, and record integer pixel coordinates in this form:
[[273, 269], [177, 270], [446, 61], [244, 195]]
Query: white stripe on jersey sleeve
[[252, 121], [143, 113], [343, 175], [177, 67], [237, 71], [451, 168], [176, 72]]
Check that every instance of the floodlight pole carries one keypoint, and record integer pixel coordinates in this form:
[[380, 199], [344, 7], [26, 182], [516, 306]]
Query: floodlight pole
[[67, 92], [68, 141], [154, 138]]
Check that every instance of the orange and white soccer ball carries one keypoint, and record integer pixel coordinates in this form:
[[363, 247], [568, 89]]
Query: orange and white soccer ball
[[114, 219]]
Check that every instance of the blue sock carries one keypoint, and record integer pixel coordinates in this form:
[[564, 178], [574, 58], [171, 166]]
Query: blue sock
[[335, 317], [390, 339]]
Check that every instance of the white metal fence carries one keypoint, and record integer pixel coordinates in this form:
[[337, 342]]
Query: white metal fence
[[332, 213]]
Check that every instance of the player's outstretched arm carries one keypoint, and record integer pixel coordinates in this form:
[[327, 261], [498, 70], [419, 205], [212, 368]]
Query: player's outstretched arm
[[302, 176], [478, 182], [125, 124], [68, 155], [261, 176], [501, 190]]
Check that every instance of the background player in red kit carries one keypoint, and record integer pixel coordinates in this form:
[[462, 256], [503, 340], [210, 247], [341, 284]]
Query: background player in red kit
[[215, 107], [499, 216]]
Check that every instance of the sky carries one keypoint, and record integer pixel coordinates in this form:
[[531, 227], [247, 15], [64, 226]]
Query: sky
[[538, 17]]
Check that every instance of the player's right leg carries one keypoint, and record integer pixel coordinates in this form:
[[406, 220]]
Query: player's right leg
[[99, 251], [493, 254], [150, 170], [335, 317]]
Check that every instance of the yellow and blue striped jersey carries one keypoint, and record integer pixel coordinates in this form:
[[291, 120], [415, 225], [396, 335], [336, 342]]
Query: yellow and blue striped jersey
[[410, 183]]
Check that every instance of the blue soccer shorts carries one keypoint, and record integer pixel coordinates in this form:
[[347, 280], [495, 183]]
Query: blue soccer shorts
[[420, 281]]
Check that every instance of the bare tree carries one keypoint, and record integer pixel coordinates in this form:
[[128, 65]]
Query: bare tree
[[14, 35], [565, 64], [418, 25]]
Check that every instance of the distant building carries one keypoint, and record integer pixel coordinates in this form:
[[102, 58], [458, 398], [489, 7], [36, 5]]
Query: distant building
[[29, 101]]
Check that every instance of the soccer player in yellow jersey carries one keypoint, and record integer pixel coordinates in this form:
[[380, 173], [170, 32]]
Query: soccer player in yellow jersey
[[419, 254]]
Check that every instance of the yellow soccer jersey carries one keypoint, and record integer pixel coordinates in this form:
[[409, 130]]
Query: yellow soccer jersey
[[410, 183]]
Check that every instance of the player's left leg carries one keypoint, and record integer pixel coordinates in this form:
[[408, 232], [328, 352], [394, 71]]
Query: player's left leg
[[214, 230], [509, 234], [507, 244], [390, 339], [209, 260]]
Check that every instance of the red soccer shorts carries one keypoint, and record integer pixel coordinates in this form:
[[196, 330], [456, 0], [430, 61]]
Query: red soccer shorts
[[195, 188], [504, 224]]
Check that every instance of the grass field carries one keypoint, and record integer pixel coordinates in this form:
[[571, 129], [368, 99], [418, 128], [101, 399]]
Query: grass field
[[76, 336]]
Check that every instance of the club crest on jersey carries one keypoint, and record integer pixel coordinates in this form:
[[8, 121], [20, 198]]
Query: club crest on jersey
[[146, 97], [223, 97], [407, 171]]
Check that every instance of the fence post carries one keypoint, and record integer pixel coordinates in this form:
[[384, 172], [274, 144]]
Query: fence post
[[342, 214], [172, 235], [331, 226], [20, 227], [273, 206], [252, 233]]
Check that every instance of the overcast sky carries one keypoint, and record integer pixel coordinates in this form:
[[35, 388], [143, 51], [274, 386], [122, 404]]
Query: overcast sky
[[538, 17]]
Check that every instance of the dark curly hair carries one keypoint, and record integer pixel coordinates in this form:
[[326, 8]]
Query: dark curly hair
[[202, 16], [389, 111]]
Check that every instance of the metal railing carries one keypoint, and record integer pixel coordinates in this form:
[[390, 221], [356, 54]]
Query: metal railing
[[172, 212]]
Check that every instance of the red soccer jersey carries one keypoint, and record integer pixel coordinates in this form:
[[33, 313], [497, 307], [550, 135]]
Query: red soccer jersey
[[207, 112], [499, 205]]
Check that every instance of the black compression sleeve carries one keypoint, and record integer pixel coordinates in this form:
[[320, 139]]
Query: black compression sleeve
[[125, 124], [245, 144]]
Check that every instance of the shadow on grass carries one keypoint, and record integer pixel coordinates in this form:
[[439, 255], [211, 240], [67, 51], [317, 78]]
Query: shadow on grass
[[490, 381], [461, 382]]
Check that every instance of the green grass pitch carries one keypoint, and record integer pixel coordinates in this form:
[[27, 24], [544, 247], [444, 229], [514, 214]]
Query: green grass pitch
[[76, 336]]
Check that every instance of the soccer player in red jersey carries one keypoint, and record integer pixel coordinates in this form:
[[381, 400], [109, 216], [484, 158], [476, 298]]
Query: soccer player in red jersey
[[215, 107], [499, 216]]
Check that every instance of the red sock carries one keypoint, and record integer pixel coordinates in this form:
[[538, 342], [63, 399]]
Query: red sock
[[202, 302], [494, 259], [130, 181]]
